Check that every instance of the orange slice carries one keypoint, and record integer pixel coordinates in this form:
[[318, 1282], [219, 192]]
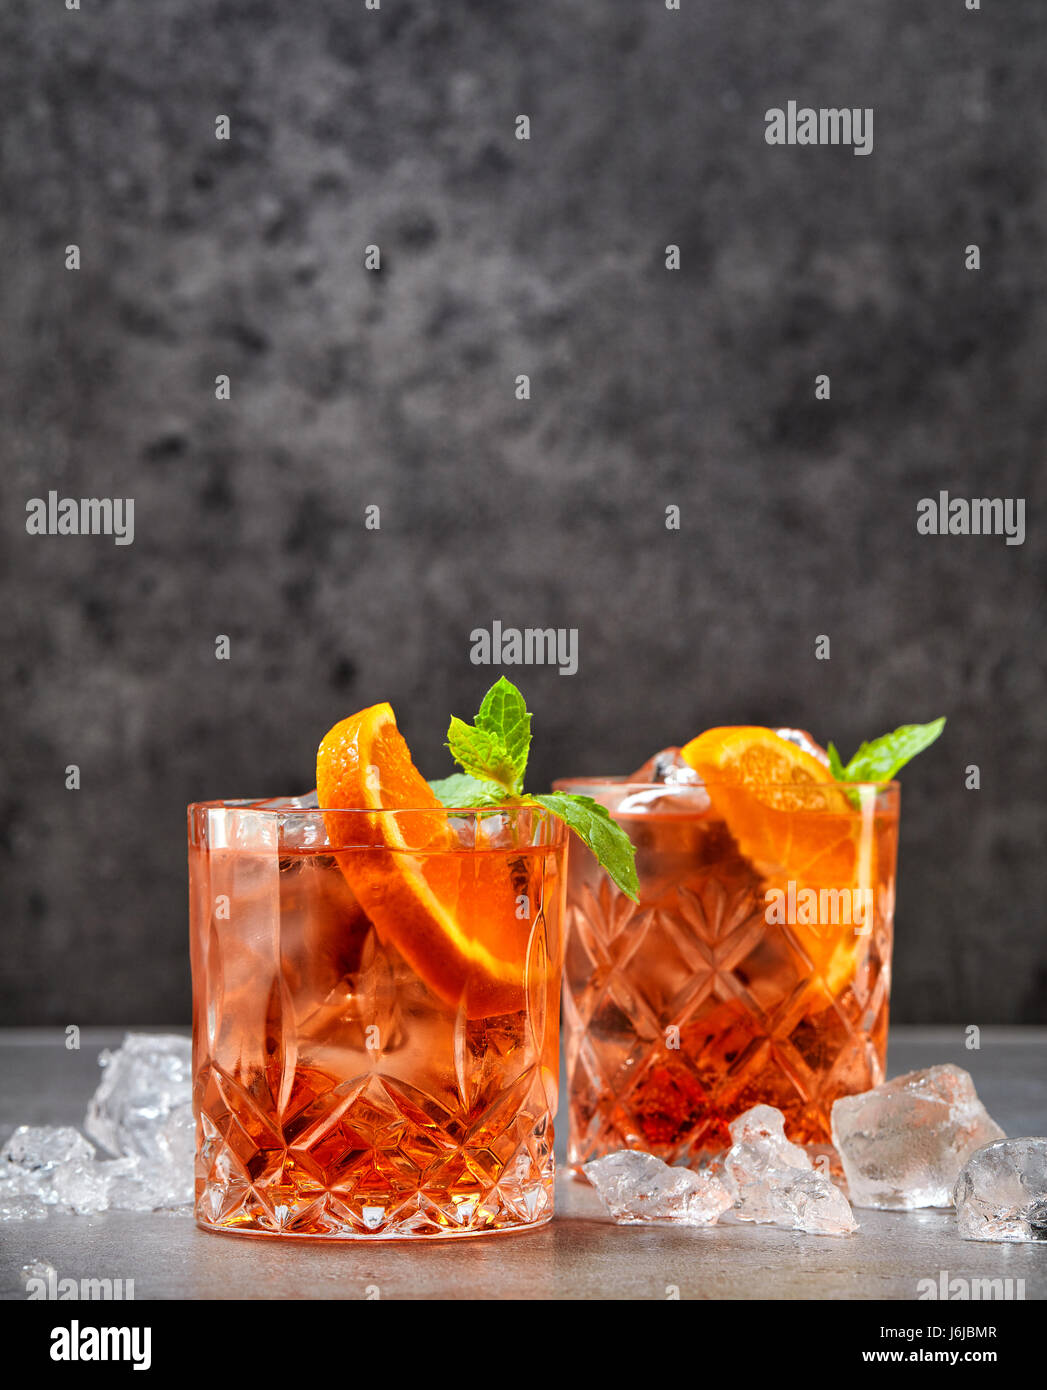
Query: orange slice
[[747, 753], [449, 911], [793, 821]]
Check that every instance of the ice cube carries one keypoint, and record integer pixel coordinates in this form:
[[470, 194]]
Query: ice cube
[[295, 828], [669, 766], [307, 802], [52, 1167], [759, 1146], [682, 776], [638, 1188], [903, 1144], [16, 1205], [678, 787], [33, 1152], [1001, 1194], [143, 1184], [176, 1137], [144, 1081], [776, 1181], [81, 1187], [808, 1202], [159, 1184], [141, 1111], [802, 739], [684, 796], [303, 830]]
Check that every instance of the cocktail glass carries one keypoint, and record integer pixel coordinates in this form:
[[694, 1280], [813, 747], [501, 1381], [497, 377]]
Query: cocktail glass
[[375, 1018], [743, 975]]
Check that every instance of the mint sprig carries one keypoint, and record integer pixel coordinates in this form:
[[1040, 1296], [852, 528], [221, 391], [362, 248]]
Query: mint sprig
[[483, 756], [493, 751], [461, 791], [503, 715], [885, 757]]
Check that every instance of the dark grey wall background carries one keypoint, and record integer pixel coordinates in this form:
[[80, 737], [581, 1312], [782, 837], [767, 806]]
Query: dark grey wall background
[[649, 388]]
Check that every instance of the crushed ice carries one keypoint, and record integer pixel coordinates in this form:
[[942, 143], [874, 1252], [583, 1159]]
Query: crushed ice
[[638, 1188], [765, 1179], [777, 1183], [141, 1113]]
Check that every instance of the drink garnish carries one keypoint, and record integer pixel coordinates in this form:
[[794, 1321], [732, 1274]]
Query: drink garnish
[[781, 774], [450, 914], [492, 752], [796, 825], [883, 758]]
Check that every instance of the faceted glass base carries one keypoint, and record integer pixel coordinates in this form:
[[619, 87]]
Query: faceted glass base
[[371, 1161], [527, 1207]]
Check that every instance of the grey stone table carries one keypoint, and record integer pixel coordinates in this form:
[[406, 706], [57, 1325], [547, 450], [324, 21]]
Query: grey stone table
[[580, 1255]]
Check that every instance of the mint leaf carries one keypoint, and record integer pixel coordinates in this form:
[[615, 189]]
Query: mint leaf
[[884, 757], [835, 764], [494, 747], [504, 716], [492, 751], [593, 824], [838, 770], [460, 791], [483, 755]]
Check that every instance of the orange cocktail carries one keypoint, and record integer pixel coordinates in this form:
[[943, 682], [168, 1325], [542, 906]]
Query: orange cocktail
[[376, 996], [755, 966]]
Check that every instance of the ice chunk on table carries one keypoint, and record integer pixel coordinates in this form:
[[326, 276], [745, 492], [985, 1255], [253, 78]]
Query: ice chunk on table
[[48, 1166], [777, 1183], [133, 1184], [1001, 1194], [799, 1201], [903, 1144], [638, 1188], [759, 1146], [15, 1206], [144, 1100], [43, 1168], [144, 1184], [81, 1187], [33, 1152], [141, 1111]]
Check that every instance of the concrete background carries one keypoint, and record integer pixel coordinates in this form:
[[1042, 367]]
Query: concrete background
[[649, 388]]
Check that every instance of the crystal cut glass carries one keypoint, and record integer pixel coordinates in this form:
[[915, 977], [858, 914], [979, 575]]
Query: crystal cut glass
[[722, 988], [347, 1083]]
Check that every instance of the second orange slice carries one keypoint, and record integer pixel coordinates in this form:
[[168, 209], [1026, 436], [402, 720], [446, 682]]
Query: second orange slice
[[794, 822], [780, 803]]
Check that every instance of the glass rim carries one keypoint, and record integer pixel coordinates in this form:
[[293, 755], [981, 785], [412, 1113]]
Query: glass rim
[[631, 784], [264, 807]]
